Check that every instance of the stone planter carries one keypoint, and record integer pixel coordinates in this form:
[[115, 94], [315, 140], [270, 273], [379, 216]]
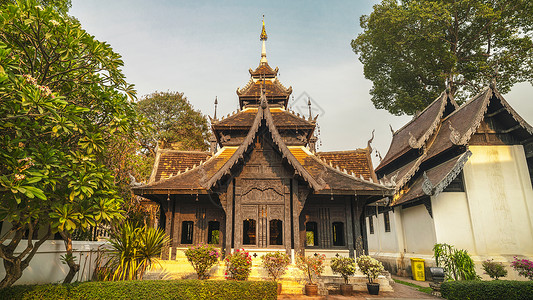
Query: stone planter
[[311, 289], [373, 288], [346, 289]]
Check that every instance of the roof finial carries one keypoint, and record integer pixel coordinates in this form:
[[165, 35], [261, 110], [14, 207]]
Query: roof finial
[[309, 105], [216, 104], [263, 37]]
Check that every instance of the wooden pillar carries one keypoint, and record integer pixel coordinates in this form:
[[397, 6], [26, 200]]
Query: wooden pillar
[[229, 218], [349, 225], [237, 225], [360, 230], [165, 206], [296, 209], [176, 221]]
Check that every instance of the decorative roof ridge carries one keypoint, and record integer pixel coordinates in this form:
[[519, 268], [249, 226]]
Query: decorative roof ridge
[[181, 174], [405, 179], [276, 137], [417, 144], [184, 151], [358, 150], [434, 190], [344, 173], [288, 90], [440, 97], [523, 123], [246, 87], [297, 115]]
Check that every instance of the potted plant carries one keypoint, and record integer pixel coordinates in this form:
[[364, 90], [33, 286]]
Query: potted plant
[[276, 263], [371, 268], [346, 267], [238, 265], [312, 267], [202, 257], [493, 269]]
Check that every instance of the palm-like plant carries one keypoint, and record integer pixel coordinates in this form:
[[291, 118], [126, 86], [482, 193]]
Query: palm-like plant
[[133, 251]]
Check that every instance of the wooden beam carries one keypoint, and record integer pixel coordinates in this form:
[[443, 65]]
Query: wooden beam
[[496, 112]]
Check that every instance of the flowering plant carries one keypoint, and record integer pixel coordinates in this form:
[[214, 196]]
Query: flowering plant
[[275, 263], [311, 266], [524, 267], [202, 257], [493, 269], [370, 267], [344, 266], [238, 265]]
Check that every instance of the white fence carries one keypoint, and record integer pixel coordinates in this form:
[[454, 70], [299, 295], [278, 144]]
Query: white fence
[[46, 265]]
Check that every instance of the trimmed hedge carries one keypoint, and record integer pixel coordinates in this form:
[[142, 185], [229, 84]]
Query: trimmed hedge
[[147, 289], [487, 290]]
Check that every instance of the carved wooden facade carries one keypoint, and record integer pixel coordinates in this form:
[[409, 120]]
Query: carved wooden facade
[[265, 187]]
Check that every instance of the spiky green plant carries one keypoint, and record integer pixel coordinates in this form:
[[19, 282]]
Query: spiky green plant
[[133, 251]]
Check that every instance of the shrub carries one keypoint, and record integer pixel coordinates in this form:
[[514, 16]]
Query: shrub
[[238, 265], [311, 266], [275, 264], [457, 263], [524, 267], [202, 258], [344, 266], [487, 290], [153, 289], [133, 251], [493, 269], [371, 267]]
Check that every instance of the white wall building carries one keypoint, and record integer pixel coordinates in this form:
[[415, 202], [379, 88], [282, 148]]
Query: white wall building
[[462, 177]]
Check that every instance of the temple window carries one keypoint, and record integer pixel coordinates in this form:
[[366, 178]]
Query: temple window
[[311, 234], [187, 229], [248, 230], [386, 219], [371, 224], [276, 232], [338, 234], [213, 232]]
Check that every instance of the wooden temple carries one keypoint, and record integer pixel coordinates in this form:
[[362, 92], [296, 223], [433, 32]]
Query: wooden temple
[[262, 185]]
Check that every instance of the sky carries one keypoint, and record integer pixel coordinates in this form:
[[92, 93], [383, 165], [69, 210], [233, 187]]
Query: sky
[[205, 48]]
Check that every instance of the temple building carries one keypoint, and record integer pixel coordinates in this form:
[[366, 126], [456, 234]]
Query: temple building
[[263, 186], [462, 176]]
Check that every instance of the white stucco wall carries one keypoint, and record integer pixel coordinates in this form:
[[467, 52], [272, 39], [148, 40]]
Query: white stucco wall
[[382, 241], [418, 229], [500, 201], [453, 225], [46, 267]]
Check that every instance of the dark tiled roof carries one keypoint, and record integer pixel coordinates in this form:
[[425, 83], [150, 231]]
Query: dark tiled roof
[[193, 178], [333, 179], [171, 162], [245, 118], [436, 178], [415, 133], [264, 70], [451, 135], [271, 88], [354, 161]]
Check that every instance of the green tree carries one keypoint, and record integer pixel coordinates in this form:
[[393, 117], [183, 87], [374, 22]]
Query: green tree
[[63, 99], [411, 50], [175, 122]]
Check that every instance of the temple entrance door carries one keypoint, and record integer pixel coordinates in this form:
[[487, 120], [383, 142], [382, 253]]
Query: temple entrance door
[[263, 225]]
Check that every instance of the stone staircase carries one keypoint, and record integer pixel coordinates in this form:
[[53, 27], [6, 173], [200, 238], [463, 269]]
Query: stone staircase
[[292, 282]]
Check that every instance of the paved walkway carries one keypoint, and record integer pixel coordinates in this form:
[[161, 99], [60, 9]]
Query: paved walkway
[[401, 291]]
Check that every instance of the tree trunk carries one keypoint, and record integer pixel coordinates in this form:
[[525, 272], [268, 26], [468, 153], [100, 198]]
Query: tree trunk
[[15, 265], [69, 258]]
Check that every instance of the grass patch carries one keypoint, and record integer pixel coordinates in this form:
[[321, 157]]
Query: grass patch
[[423, 289]]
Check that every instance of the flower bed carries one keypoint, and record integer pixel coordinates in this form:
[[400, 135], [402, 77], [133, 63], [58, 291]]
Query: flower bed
[[136, 289]]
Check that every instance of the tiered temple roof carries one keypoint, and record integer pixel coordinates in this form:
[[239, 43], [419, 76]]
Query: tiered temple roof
[[429, 152]]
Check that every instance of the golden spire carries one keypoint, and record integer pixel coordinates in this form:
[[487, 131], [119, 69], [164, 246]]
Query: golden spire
[[263, 36]]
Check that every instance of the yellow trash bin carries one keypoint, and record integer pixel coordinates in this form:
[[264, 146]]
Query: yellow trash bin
[[417, 267]]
